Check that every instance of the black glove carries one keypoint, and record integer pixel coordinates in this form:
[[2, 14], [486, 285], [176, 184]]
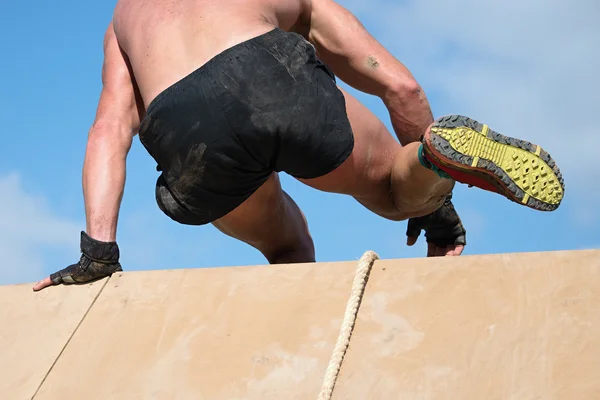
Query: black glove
[[442, 227], [98, 260]]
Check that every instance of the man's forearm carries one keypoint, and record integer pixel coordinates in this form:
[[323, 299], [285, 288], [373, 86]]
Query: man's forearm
[[104, 180], [358, 59]]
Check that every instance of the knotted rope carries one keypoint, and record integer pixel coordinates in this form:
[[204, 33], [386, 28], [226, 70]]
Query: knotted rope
[[358, 287]]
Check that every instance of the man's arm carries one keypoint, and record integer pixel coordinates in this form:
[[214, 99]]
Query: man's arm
[[110, 137], [362, 62], [117, 120]]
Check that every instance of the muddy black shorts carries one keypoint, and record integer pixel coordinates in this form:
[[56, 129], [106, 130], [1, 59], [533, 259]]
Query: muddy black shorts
[[267, 104]]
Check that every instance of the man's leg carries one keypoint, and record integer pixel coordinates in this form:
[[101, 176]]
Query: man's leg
[[382, 175], [271, 222], [385, 177], [391, 180]]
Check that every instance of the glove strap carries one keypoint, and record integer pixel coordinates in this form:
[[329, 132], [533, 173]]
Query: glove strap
[[96, 250]]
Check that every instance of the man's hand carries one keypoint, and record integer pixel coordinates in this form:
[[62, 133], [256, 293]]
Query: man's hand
[[443, 228], [98, 260]]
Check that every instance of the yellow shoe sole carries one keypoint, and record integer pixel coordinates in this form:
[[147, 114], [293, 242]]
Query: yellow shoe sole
[[522, 171]]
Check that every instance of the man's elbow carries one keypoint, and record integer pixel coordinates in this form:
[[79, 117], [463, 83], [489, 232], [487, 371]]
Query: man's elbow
[[109, 135], [405, 90], [409, 110]]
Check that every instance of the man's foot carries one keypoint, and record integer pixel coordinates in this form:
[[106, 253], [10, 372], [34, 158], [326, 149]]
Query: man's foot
[[471, 153]]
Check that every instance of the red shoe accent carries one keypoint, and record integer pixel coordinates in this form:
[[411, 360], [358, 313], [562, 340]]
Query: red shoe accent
[[472, 178]]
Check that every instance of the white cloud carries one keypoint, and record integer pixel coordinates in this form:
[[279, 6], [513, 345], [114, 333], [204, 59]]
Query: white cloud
[[528, 68], [28, 227]]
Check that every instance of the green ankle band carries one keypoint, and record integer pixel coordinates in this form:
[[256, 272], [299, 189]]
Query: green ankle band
[[429, 165], [422, 159]]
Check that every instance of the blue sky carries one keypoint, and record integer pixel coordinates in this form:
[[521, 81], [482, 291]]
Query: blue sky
[[531, 73]]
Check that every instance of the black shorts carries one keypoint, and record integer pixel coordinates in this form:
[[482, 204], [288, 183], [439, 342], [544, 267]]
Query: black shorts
[[267, 104]]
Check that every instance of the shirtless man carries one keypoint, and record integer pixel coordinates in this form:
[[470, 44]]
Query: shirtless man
[[225, 95]]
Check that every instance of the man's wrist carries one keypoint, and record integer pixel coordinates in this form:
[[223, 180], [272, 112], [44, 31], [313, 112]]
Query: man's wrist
[[99, 251]]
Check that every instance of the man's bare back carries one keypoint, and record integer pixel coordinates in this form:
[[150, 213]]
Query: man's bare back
[[225, 95], [167, 40]]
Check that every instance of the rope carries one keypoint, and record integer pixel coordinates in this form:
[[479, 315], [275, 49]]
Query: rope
[[358, 286]]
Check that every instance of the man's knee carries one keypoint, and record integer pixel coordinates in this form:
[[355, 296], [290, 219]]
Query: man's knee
[[300, 251], [294, 244]]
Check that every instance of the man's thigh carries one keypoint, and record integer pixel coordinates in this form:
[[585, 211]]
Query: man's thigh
[[366, 174], [269, 220]]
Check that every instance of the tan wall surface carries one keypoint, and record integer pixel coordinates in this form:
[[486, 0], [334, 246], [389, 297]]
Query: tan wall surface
[[223, 333], [513, 326], [34, 328]]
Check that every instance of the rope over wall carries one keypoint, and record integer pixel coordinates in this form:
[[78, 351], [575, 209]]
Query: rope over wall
[[358, 287]]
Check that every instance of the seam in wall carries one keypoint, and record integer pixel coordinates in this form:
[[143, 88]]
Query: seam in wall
[[70, 337]]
